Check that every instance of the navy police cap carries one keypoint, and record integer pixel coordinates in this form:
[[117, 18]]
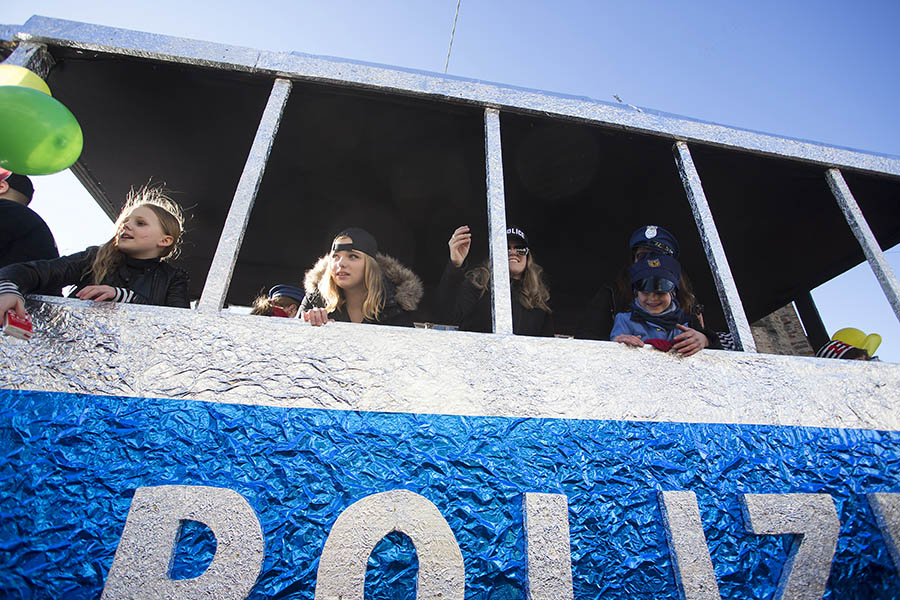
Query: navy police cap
[[288, 291], [655, 273], [656, 238]]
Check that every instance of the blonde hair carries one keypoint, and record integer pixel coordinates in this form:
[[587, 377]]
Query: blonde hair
[[534, 292], [374, 281], [171, 220]]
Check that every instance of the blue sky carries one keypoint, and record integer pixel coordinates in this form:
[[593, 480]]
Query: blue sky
[[818, 70]]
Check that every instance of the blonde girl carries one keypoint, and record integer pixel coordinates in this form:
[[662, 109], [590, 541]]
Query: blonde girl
[[355, 283], [130, 267]]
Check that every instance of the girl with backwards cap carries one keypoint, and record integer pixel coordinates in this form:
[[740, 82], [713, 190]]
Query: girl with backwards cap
[[655, 316], [614, 297], [355, 283], [464, 298]]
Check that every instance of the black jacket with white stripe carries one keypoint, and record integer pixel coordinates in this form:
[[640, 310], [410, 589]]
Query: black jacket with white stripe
[[139, 281]]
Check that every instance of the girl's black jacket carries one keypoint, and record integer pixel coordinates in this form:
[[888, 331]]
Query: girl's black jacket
[[139, 281], [462, 303], [402, 292]]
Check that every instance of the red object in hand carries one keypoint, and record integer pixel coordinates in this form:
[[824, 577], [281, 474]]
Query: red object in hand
[[17, 326], [664, 345]]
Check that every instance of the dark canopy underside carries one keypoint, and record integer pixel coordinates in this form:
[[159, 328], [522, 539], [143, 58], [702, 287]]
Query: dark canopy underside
[[411, 170]]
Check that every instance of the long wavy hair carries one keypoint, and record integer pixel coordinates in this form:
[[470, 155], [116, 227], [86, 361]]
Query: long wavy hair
[[374, 281], [534, 292], [171, 219]]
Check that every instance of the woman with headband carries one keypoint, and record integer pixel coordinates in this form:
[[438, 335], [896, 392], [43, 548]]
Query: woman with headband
[[355, 283]]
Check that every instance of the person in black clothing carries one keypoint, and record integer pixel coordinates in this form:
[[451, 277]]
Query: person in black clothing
[[355, 283], [464, 299], [23, 233], [127, 268]]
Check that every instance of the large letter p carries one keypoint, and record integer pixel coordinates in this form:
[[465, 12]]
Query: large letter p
[[141, 565]]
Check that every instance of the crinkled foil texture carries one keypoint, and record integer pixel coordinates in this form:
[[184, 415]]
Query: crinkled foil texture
[[70, 465]]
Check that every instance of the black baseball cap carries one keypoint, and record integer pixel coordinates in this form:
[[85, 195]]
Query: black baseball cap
[[363, 241], [21, 184], [516, 232]]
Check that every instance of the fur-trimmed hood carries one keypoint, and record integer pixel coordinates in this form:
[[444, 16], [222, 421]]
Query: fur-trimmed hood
[[402, 286]]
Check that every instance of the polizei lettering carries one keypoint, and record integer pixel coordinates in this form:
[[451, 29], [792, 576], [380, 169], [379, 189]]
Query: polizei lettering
[[141, 566]]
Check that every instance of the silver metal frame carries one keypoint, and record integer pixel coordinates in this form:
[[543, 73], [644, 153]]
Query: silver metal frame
[[494, 98], [496, 205], [298, 66], [862, 231], [715, 253], [219, 277], [34, 57]]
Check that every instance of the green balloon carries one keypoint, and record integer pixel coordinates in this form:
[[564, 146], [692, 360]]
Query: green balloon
[[38, 135]]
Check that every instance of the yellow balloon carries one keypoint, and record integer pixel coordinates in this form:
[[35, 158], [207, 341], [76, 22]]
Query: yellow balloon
[[15, 75], [857, 338]]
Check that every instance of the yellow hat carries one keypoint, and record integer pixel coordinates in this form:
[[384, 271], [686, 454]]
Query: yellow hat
[[855, 337]]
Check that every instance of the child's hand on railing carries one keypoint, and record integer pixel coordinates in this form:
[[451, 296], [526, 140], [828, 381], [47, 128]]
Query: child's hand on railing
[[629, 340], [690, 341]]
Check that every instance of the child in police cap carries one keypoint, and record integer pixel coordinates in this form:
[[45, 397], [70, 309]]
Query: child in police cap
[[655, 316], [282, 301]]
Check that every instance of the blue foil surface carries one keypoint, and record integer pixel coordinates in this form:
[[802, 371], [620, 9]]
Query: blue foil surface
[[69, 465]]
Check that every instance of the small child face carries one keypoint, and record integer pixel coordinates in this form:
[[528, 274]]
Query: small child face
[[288, 306], [654, 302], [141, 235]]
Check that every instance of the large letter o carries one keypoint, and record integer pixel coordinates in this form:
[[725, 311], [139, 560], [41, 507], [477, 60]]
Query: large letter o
[[342, 566]]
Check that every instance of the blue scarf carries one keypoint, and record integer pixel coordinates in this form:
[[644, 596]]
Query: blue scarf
[[667, 320]]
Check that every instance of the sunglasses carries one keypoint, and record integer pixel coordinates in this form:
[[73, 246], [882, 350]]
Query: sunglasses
[[654, 284], [519, 251]]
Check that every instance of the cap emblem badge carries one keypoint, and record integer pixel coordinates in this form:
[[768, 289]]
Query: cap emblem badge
[[650, 232]]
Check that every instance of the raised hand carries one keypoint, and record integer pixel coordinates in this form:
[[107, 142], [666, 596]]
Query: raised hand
[[460, 243]]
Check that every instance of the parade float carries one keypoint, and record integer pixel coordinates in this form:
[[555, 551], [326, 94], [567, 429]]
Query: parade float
[[152, 452]]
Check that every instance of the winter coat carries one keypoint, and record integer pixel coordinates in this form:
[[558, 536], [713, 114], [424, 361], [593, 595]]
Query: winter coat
[[402, 292], [623, 324], [25, 236], [139, 281], [597, 320], [462, 303]]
